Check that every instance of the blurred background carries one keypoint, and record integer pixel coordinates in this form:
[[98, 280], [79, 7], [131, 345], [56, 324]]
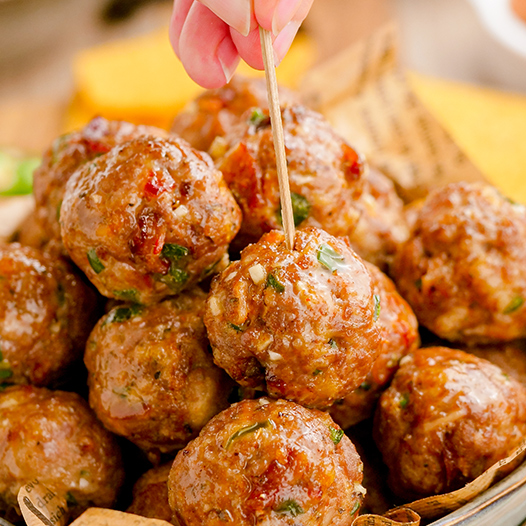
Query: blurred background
[[63, 60]]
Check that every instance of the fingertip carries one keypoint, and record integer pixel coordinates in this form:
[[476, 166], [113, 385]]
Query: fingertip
[[249, 47], [284, 40]]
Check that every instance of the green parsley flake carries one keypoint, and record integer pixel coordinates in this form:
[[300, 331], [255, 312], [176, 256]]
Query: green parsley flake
[[355, 508], [404, 401], [249, 429], [290, 507], [257, 117], [329, 258], [515, 304], [275, 284], [121, 314], [127, 294], [300, 208], [333, 344], [5, 374], [70, 499], [377, 305], [94, 261], [237, 328], [172, 251], [336, 434]]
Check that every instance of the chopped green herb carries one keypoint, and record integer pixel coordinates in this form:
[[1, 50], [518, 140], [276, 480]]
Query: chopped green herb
[[418, 283], [237, 328], [329, 258], [175, 278], [404, 401], [377, 305], [355, 508], [1, 356], [300, 208], [123, 392], [127, 294], [61, 294], [336, 434], [333, 344], [275, 284], [515, 304], [173, 251], [124, 313], [5, 373], [94, 261], [84, 473], [291, 507], [4, 386], [365, 386], [247, 430], [157, 375], [70, 499], [257, 117], [317, 372]]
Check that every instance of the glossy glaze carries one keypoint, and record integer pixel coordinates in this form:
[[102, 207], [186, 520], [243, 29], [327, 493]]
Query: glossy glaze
[[42, 330], [399, 336], [124, 209], [53, 436], [325, 174], [447, 417], [462, 270], [267, 462], [151, 376], [305, 333], [66, 154]]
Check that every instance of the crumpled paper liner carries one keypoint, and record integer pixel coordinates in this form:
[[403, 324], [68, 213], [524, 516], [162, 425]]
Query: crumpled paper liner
[[364, 94]]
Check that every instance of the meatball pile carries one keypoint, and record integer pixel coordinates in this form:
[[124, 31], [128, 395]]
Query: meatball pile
[[238, 371]]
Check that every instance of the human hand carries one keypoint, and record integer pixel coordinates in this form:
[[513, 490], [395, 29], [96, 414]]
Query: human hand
[[211, 36]]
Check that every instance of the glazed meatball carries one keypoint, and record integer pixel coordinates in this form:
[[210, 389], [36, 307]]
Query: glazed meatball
[[267, 462], [382, 227], [301, 323], [148, 219], [54, 437], [462, 270], [151, 376], [150, 494], [216, 112], [68, 153], [46, 314], [446, 417], [325, 173], [510, 357], [399, 336]]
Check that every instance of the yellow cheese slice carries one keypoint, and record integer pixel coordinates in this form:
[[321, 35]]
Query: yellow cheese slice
[[489, 125]]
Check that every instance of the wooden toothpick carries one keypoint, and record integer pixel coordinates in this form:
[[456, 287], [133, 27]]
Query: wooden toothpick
[[277, 134]]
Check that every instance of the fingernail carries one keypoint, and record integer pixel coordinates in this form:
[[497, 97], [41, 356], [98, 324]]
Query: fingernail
[[284, 40], [235, 13], [283, 15], [228, 58]]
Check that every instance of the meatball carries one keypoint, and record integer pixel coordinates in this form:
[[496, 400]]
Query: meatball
[[68, 153], [301, 323], [399, 336], [54, 437], [382, 227], [462, 270], [216, 112], [151, 376], [325, 173], [150, 494], [267, 462], [148, 219], [446, 417], [510, 357], [46, 314]]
